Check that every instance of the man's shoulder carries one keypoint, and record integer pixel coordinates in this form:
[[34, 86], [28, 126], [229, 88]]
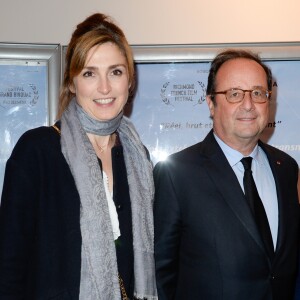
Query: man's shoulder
[[190, 151], [186, 158], [194, 153], [277, 154]]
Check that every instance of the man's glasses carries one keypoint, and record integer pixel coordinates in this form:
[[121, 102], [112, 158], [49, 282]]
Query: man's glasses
[[237, 95]]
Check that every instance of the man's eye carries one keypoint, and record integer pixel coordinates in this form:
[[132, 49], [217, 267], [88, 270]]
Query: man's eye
[[256, 93], [235, 94]]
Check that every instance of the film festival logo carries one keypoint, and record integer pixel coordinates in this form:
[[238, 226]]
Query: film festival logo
[[19, 95], [188, 93]]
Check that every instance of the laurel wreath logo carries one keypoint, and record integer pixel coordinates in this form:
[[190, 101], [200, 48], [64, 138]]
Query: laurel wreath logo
[[36, 96], [166, 99], [203, 96]]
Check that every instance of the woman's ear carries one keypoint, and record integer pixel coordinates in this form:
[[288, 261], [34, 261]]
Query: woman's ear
[[72, 88]]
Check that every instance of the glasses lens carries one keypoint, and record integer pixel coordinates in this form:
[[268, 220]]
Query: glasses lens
[[259, 95], [235, 95]]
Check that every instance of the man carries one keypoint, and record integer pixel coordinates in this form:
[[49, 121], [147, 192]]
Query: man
[[209, 240]]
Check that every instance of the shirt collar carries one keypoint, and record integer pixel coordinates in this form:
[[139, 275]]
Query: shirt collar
[[233, 156]]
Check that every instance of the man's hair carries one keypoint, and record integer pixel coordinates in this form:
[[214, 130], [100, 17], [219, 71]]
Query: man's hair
[[230, 54]]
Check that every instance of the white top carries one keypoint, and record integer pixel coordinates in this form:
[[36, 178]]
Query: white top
[[112, 209]]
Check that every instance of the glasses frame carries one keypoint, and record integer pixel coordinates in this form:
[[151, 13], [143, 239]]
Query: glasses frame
[[244, 92]]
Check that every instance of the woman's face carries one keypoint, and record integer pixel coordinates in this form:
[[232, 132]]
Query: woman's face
[[102, 86]]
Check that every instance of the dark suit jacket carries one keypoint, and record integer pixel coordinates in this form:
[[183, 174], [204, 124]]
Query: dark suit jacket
[[40, 239], [207, 245]]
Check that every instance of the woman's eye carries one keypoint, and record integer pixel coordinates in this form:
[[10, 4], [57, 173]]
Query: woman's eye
[[117, 72], [87, 74]]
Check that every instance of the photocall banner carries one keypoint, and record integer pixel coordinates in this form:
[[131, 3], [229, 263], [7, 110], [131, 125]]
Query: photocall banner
[[29, 89], [23, 103], [170, 111]]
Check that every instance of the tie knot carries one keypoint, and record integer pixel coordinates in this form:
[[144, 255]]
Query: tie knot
[[247, 161]]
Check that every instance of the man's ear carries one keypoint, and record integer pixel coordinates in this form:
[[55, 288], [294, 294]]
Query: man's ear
[[211, 105]]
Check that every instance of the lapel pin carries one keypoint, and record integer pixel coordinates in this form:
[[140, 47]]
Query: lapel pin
[[278, 162]]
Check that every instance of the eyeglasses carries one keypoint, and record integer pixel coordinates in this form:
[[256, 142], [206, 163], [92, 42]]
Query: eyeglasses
[[237, 95]]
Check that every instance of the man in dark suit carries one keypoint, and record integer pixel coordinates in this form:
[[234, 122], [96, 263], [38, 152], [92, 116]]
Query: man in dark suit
[[213, 240]]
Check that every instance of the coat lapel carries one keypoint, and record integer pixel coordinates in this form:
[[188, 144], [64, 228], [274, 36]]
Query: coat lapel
[[226, 182]]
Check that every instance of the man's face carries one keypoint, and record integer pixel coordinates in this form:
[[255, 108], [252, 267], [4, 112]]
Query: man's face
[[239, 124]]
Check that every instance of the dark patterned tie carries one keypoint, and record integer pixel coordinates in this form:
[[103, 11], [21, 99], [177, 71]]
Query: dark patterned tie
[[257, 207]]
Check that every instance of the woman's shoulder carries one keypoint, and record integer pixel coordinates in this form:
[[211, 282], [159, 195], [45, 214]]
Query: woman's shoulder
[[39, 135], [36, 139]]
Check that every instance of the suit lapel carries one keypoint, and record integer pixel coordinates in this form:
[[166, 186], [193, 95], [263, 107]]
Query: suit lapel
[[226, 182]]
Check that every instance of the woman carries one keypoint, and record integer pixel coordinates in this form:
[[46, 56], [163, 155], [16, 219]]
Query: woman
[[76, 211]]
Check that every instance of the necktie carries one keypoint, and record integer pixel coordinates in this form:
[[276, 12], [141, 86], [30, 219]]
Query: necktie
[[256, 205]]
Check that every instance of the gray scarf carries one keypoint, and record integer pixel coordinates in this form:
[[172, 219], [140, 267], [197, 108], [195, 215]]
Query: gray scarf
[[99, 271], [93, 126]]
